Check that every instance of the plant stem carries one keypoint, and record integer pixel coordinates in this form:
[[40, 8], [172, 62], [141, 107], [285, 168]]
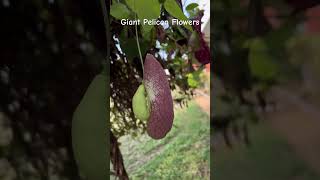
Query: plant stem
[[137, 39]]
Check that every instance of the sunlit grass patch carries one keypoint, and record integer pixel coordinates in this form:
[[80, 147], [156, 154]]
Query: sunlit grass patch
[[184, 153]]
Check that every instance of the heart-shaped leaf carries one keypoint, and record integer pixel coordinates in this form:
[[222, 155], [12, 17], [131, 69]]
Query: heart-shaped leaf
[[174, 10], [145, 9], [119, 11]]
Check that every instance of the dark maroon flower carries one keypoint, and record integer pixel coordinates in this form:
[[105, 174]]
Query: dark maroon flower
[[159, 94], [202, 54]]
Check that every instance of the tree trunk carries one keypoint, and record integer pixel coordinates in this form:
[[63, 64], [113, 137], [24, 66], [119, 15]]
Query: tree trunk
[[116, 159]]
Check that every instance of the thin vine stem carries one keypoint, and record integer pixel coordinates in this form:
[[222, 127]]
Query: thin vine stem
[[137, 40]]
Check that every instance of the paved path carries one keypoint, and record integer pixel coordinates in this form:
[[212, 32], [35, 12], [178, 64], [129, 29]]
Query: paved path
[[203, 100]]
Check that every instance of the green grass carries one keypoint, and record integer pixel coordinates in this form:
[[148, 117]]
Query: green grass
[[269, 158], [182, 154]]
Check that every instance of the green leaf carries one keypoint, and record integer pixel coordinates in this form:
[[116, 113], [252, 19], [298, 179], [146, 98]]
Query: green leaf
[[145, 9], [129, 47], [194, 79], [119, 11], [174, 9], [261, 63], [131, 4], [191, 6], [89, 130]]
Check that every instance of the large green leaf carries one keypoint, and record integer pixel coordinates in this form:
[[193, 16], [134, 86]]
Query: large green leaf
[[129, 47], [89, 131], [131, 4], [145, 9], [174, 9], [119, 11]]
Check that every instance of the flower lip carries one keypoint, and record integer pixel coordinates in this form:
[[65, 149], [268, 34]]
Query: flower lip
[[158, 90]]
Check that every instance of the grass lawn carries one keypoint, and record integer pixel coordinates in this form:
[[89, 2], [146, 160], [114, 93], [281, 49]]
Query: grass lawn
[[269, 158], [183, 154]]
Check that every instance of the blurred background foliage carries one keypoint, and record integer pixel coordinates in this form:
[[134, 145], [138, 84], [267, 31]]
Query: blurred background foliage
[[50, 51], [257, 45], [265, 89]]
